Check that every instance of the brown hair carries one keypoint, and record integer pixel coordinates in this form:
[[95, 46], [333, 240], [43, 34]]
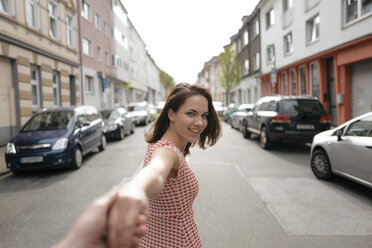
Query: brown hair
[[179, 94]]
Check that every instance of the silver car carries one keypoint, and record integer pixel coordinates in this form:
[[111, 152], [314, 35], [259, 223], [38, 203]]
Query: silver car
[[238, 116], [345, 151]]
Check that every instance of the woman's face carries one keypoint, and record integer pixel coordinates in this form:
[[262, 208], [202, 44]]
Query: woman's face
[[191, 118]]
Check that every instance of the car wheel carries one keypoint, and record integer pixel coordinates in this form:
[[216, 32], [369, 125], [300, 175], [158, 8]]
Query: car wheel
[[121, 133], [77, 158], [265, 140], [102, 146], [320, 165], [245, 132]]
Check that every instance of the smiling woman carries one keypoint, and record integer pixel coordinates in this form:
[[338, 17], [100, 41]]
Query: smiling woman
[[166, 185]]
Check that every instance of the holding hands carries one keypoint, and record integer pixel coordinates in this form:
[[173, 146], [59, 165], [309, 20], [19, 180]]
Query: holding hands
[[116, 220]]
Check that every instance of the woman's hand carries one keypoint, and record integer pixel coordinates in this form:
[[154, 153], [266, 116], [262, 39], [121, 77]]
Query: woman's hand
[[126, 222]]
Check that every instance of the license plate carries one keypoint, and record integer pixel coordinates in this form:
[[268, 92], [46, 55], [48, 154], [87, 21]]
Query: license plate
[[28, 160], [305, 126]]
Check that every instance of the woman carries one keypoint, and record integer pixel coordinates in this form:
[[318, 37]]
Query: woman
[[166, 182]]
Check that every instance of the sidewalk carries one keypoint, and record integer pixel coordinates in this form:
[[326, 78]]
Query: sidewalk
[[3, 168]]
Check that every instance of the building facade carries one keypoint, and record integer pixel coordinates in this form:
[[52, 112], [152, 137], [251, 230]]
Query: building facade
[[324, 49], [39, 59], [247, 42], [96, 64]]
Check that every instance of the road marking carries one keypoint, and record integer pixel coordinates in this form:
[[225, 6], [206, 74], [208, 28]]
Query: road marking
[[307, 206]]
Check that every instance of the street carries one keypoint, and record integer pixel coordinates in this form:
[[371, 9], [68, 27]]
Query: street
[[248, 197]]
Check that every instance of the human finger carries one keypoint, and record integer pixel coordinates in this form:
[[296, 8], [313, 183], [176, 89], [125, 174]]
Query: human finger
[[112, 225]]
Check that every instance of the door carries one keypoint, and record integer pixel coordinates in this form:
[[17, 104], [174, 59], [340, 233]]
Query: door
[[354, 152], [361, 87], [331, 89], [8, 122]]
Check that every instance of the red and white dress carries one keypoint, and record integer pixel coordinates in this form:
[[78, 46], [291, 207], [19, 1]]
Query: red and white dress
[[171, 221]]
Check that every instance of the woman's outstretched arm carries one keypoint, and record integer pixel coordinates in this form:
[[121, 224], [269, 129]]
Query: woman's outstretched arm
[[133, 197]]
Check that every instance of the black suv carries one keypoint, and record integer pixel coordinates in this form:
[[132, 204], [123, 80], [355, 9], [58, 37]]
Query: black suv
[[285, 118]]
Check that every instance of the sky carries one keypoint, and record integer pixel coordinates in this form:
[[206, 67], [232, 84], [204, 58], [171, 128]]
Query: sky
[[182, 35]]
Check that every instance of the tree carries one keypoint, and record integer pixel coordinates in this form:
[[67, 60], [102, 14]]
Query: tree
[[229, 71], [166, 80]]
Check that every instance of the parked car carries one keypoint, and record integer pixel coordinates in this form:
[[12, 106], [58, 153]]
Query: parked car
[[118, 123], [140, 113], [345, 151], [153, 111], [56, 138], [160, 106], [286, 118], [220, 109], [230, 109], [238, 116]]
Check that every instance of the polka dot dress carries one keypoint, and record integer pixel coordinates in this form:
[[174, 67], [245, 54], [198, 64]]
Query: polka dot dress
[[171, 221]]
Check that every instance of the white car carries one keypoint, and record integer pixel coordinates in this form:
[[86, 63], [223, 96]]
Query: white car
[[219, 107], [238, 116], [345, 151]]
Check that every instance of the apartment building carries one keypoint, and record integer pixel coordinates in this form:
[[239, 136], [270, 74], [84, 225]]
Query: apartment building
[[39, 59], [247, 42], [319, 48], [96, 65]]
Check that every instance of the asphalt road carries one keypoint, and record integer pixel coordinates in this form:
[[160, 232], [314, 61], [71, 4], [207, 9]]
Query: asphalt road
[[248, 197]]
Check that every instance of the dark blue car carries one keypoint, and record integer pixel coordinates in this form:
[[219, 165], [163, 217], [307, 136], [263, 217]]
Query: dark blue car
[[56, 138]]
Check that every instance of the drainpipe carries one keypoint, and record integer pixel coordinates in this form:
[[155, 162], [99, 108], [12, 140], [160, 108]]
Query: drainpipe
[[80, 54]]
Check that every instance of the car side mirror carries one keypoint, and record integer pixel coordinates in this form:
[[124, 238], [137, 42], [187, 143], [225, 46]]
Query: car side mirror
[[338, 133], [85, 124]]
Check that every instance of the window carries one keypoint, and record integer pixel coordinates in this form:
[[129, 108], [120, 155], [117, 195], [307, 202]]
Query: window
[[292, 80], [288, 44], [104, 2], [70, 30], [87, 47], [270, 18], [89, 84], [302, 81], [99, 55], [246, 37], [56, 89], [356, 9], [256, 28], [32, 13], [239, 45], [314, 79], [96, 21], [85, 12], [284, 83], [287, 4], [270, 50], [257, 61], [7, 7], [312, 29], [35, 87], [53, 20], [107, 58], [361, 128], [246, 66], [105, 29]]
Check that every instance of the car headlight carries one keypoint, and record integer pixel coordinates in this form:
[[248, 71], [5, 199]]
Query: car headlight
[[60, 144], [111, 127], [10, 148]]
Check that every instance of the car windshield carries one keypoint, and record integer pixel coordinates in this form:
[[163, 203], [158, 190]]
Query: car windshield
[[49, 121], [110, 115], [136, 108], [296, 107]]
